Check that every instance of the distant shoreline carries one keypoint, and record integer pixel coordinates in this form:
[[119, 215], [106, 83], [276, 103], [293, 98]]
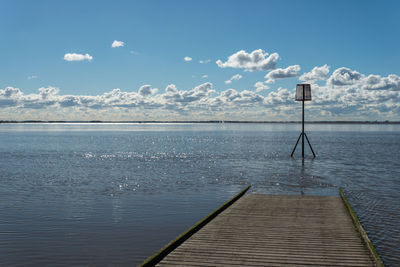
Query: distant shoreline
[[210, 121]]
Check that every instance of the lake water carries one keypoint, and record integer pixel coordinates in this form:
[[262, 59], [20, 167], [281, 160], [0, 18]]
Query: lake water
[[113, 194]]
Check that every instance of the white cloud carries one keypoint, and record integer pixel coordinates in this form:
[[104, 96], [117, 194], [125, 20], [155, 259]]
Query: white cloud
[[187, 59], [280, 97], [147, 90], [205, 61], [344, 76], [316, 74], [256, 60], [171, 89], [368, 98], [204, 76], [77, 57], [32, 77], [11, 92], [117, 44], [234, 78], [47, 92], [291, 71], [234, 99], [376, 82], [260, 86]]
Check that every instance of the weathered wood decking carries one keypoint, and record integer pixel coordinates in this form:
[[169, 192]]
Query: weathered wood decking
[[267, 230]]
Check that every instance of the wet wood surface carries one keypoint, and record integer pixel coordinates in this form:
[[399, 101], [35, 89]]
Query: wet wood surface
[[269, 230]]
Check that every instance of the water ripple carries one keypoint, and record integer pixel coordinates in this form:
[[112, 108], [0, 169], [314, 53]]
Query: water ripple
[[82, 193]]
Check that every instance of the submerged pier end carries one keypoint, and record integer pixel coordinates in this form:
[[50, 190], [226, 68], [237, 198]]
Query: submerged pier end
[[275, 230]]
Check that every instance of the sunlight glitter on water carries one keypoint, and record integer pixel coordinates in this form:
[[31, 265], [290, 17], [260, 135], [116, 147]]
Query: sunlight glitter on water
[[82, 190]]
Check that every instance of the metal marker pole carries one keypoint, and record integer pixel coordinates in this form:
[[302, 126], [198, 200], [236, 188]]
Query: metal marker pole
[[302, 131]]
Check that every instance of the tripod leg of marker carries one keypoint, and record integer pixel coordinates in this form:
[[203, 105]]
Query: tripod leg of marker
[[308, 141], [298, 139]]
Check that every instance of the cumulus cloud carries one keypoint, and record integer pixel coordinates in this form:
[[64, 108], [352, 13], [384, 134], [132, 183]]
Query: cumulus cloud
[[46, 92], [245, 98], [256, 60], [183, 98], [280, 97], [205, 61], [347, 78], [32, 77], [376, 82], [10, 92], [260, 86], [204, 76], [77, 57], [234, 78], [291, 71], [368, 98], [316, 74], [187, 59], [344, 76], [147, 90], [117, 44], [9, 97]]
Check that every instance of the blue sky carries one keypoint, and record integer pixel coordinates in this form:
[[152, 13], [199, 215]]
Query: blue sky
[[354, 40]]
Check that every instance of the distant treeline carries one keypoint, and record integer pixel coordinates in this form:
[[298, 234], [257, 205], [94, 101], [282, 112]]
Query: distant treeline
[[210, 121]]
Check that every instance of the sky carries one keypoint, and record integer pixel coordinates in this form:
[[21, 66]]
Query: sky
[[199, 60]]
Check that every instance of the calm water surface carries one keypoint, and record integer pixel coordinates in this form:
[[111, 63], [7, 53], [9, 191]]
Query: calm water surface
[[113, 194]]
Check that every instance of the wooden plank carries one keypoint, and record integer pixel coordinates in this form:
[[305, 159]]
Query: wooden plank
[[378, 261], [159, 255], [269, 230]]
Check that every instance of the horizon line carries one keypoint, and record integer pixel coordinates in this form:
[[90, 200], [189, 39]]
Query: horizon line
[[198, 121]]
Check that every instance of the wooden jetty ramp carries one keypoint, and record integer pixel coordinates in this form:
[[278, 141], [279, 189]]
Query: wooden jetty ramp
[[273, 230]]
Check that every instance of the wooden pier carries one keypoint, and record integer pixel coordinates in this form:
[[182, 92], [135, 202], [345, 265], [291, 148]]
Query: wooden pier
[[271, 230]]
